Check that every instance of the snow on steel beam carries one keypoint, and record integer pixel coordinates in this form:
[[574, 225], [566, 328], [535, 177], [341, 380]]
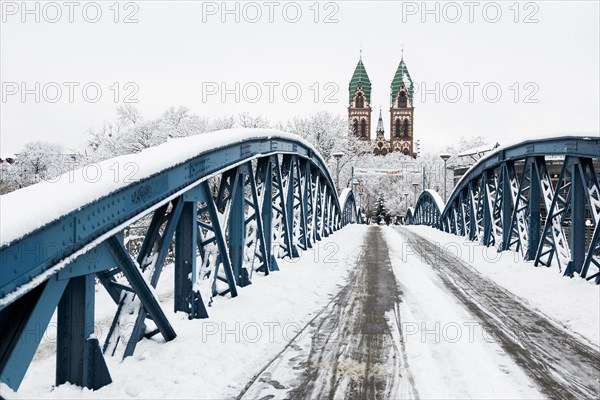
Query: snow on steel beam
[[501, 202], [77, 212], [40, 257]]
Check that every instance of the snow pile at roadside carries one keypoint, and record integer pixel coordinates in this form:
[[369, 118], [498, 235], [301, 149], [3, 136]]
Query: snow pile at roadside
[[573, 303], [75, 189], [214, 358]]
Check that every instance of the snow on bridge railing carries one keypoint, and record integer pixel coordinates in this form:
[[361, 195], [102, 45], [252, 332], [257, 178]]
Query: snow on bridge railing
[[348, 204], [427, 210], [230, 202], [74, 189], [499, 202]]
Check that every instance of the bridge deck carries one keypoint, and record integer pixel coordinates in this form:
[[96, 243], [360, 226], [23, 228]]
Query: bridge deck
[[411, 321]]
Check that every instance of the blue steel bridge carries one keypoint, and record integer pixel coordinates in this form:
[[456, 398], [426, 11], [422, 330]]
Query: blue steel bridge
[[511, 200], [235, 208]]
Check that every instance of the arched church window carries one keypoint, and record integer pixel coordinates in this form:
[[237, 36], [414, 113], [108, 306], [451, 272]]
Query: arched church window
[[360, 101], [406, 132], [397, 130], [355, 126], [363, 128], [402, 99]]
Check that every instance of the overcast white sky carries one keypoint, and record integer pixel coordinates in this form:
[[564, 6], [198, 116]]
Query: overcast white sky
[[175, 49]]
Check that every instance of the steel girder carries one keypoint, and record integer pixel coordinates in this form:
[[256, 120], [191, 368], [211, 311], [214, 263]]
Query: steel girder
[[511, 200], [427, 210], [350, 212], [224, 214], [409, 217]]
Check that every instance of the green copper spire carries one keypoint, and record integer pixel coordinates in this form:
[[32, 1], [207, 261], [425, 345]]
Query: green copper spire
[[380, 130], [360, 77], [402, 76]]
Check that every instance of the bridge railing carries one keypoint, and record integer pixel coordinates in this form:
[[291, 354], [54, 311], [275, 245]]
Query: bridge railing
[[226, 205], [539, 197], [428, 210]]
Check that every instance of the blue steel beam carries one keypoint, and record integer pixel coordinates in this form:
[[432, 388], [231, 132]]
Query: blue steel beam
[[534, 220], [254, 204], [236, 228], [281, 197], [300, 169], [79, 359], [309, 204], [571, 145], [577, 220], [264, 174], [202, 193], [494, 198], [186, 297], [38, 251], [140, 287], [24, 343]]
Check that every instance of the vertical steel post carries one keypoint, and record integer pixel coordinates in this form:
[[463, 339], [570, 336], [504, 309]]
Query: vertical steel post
[[186, 298], [79, 359], [533, 223], [352, 180], [308, 203], [267, 214], [577, 219], [487, 213], [445, 182], [288, 171], [506, 203], [237, 234]]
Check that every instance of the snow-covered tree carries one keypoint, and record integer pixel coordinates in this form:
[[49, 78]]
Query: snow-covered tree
[[246, 120], [218, 124], [9, 179], [37, 161], [104, 142], [180, 122], [327, 132], [128, 115]]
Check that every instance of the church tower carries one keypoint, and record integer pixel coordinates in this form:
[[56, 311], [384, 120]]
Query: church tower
[[359, 108], [401, 111], [382, 146]]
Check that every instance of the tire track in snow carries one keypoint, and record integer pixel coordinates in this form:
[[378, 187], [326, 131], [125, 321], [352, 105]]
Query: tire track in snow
[[562, 366], [351, 348]]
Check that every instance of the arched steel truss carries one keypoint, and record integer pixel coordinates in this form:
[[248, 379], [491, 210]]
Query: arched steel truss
[[427, 210], [350, 212], [228, 213], [539, 197]]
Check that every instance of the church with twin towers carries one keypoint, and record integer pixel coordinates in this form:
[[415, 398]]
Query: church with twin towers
[[401, 111]]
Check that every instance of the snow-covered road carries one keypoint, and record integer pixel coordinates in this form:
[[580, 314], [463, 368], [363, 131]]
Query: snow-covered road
[[416, 322], [559, 364], [352, 350], [371, 312]]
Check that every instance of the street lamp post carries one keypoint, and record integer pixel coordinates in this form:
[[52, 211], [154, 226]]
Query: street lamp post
[[405, 205], [445, 157], [415, 185], [337, 156]]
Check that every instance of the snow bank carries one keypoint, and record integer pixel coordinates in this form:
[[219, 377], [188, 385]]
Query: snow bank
[[32, 207]]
